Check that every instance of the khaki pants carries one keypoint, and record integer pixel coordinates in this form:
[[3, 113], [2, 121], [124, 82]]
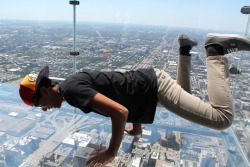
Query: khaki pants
[[174, 95]]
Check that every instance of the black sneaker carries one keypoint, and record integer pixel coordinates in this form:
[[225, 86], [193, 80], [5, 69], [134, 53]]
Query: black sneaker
[[229, 42], [185, 40]]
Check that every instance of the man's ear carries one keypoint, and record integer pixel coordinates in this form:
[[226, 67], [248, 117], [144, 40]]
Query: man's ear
[[44, 91]]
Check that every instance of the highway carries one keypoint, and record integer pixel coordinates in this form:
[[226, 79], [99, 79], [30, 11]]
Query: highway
[[50, 144], [149, 60]]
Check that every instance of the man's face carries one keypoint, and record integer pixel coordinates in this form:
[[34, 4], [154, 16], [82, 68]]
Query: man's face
[[49, 98]]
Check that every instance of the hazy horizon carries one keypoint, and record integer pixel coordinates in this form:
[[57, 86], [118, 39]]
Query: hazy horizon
[[213, 14]]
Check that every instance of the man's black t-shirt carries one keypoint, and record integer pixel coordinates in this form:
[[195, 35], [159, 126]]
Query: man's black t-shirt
[[136, 90]]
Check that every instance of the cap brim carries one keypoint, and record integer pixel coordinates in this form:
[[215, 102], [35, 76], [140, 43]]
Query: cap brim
[[44, 72]]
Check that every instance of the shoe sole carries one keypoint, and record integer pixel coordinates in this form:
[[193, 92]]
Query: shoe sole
[[215, 38], [188, 38]]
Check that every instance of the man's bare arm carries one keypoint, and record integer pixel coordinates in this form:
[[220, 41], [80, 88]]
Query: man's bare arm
[[118, 114]]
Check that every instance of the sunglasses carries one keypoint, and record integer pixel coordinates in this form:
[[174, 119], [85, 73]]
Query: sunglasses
[[36, 103]]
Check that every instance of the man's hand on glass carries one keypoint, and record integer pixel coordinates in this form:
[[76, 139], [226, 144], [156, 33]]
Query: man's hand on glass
[[134, 129], [100, 159]]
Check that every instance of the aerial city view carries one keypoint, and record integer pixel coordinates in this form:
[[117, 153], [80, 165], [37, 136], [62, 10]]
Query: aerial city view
[[66, 136], [114, 35]]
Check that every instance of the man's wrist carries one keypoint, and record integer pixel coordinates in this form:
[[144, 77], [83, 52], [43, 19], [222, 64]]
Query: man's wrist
[[112, 152], [137, 126]]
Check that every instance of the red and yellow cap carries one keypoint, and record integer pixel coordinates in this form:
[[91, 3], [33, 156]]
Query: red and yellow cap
[[30, 83]]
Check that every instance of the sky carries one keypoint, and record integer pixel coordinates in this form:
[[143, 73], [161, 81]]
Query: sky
[[208, 14]]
